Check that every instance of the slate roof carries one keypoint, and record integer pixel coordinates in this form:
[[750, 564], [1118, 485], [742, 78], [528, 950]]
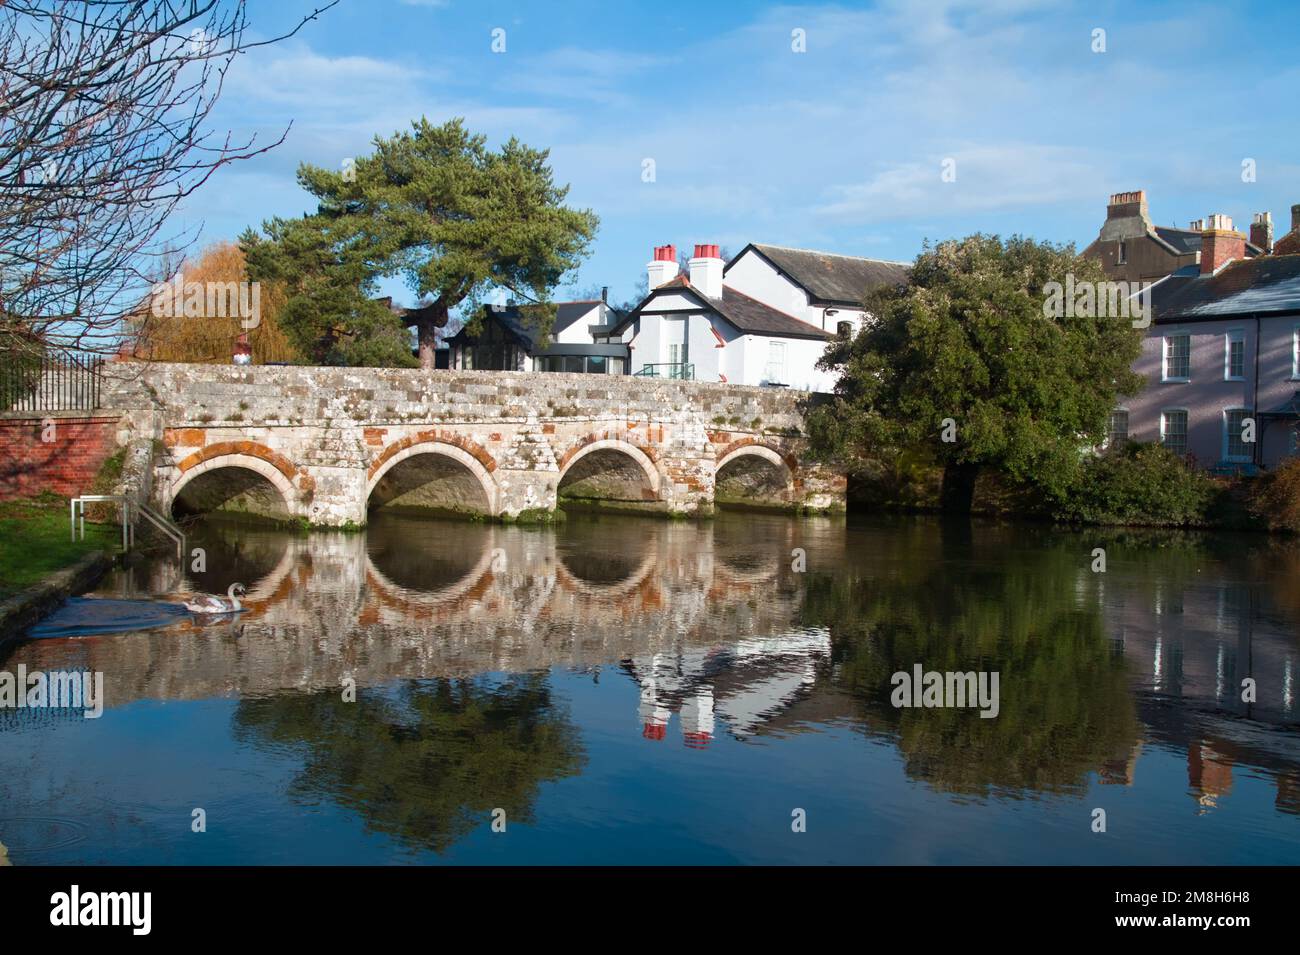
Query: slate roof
[[1187, 241], [1184, 241], [828, 277], [566, 313], [1266, 284], [746, 314], [521, 323]]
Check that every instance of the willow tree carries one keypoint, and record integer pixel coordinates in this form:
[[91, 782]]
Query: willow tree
[[965, 364], [434, 206], [210, 337]]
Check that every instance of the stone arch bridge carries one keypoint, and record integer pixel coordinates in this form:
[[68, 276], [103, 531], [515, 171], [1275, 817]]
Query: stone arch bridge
[[330, 445]]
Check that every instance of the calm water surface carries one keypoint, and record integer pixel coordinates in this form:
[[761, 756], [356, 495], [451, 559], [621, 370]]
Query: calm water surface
[[638, 691]]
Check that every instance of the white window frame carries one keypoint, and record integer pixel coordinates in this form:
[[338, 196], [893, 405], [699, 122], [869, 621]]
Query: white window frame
[[1128, 426], [1229, 337], [769, 365], [1187, 419], [1164, 357], [1227, 438]]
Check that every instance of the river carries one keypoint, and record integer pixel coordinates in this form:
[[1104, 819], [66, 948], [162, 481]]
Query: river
[[633, 690]]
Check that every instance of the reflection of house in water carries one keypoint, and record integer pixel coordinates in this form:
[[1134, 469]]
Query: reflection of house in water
[[745, 684], [1196, 642], [1209, 774], [1120, 770]]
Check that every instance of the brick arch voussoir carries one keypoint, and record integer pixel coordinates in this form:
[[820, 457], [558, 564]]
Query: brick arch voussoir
[[620, 436], [250, 448], [789, 457], [472, 448]]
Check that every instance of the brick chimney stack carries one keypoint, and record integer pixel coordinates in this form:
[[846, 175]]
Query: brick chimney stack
[[1220, 244], [1126, 216], [1289, 244], [663, 267], [1261, 231], [706, 270], [1122, 205]]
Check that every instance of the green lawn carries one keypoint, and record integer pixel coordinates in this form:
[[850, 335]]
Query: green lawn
[[35, 540]]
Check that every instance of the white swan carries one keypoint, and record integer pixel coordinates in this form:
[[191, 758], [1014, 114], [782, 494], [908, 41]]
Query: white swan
[[206, 603]]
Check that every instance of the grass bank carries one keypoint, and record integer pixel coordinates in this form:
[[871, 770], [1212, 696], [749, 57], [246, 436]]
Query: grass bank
[[35, 541]]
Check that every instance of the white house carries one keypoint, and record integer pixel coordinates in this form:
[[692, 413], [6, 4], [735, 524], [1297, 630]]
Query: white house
[[764, 318]]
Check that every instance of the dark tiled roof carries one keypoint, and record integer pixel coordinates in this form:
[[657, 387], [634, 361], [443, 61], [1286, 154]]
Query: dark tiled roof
[[751, 315], [1184, 241], [566, 313], [1264, 284], [521, 321], [827, 277], [748, 315], [1187, 241]]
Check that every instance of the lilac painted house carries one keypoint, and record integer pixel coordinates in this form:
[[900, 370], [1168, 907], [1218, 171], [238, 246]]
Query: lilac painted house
[[1222, 357]]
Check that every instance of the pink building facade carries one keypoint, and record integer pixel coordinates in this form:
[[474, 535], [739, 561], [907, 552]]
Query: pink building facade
[[1221, 359]]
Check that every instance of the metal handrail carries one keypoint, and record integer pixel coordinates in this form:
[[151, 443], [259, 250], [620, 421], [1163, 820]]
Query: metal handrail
[[679, 370], [77, 513], [164, 525]]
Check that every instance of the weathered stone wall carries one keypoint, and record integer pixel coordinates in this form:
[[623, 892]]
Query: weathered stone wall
[[325, 437]]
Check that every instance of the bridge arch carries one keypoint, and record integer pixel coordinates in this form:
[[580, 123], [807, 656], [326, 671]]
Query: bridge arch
[[749, 472], [433, 474], [603, 468], [237, 477]]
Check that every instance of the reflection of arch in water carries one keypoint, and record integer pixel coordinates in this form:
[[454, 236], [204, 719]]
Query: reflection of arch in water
[[433, 476], [614, 587], [753, 474], [428, 557], [232, 482], [421, 604], [611, 470], [271, 585]]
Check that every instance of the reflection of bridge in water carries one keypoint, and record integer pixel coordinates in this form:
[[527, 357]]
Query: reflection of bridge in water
[[417, 599], [718, 631]]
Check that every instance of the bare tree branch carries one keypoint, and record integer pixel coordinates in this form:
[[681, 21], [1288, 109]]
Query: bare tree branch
[[104, 108]]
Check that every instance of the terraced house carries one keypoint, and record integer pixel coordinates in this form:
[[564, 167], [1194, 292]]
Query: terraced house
[[1222, 355]]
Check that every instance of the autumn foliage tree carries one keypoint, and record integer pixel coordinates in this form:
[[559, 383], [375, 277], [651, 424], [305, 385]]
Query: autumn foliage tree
[[210, 337]]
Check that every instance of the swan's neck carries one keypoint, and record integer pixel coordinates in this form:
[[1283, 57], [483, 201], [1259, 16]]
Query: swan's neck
[[233, 599]]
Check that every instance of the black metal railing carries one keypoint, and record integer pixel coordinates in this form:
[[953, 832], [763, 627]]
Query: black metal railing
[[50, 382]]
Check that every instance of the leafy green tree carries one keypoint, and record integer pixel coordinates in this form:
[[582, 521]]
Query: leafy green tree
[[963, 364], [438, 208], [424, 761]]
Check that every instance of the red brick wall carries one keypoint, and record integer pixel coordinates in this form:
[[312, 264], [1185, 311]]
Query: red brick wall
[[67, 465]]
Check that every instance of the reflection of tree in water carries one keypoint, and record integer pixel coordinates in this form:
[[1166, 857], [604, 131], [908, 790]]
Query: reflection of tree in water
[[424, 761], [1065, 703]]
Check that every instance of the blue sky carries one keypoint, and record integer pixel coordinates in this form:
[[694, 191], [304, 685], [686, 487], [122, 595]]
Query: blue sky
[[838, 148]]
